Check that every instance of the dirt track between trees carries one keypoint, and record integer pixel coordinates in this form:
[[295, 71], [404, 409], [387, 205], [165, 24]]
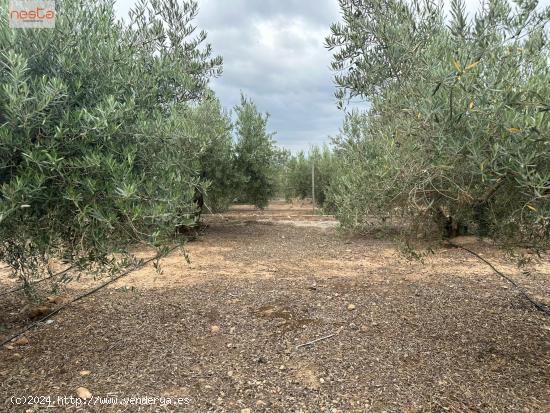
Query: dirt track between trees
[[226, 332]]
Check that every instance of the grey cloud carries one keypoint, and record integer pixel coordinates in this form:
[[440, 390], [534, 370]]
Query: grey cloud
[[273, 52], [235, 12]]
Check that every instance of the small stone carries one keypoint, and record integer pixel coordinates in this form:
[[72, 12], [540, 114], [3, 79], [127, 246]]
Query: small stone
[[232, 330], [246, 411], [230, 373], [16, 356], [215, 329], [351, 307], [364, 328], [85, 373], [83, 393], [321, 380], [260, 403], [21, 341]]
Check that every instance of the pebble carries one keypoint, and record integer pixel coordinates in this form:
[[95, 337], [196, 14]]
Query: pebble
[[83, 393], [215, 329], [351, 307]]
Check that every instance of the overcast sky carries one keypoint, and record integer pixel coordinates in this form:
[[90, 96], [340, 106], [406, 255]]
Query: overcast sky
[[273, 52]]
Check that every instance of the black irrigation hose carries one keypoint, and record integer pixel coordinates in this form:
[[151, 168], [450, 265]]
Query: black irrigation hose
[[538, 306], [37, 282], [84, 295]]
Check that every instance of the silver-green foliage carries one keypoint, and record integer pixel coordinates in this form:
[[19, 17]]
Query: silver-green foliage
[[97, 143], [255, 155], [459, 124]]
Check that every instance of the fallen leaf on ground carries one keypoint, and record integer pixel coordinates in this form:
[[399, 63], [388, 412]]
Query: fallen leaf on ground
[[21, 341]]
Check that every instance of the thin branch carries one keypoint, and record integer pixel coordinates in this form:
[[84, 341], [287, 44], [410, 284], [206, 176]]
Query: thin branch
[[538, 306], [37, 282], [84, 295], [309, 343]]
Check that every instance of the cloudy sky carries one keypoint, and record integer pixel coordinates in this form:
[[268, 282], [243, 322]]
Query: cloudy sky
[[273, 52]]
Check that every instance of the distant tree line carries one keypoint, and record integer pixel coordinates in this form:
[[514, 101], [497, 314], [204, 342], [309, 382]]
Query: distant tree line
[[298, 170]]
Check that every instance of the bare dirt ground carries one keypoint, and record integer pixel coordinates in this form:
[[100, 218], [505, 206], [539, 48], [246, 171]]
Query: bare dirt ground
[[224, 333]]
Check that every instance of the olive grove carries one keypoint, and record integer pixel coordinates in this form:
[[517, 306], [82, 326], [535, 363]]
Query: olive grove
[[109, 134]]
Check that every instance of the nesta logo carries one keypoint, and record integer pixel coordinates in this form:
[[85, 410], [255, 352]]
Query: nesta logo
[[36, 14]]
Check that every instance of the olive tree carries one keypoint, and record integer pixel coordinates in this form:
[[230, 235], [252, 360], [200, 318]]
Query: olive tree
[[91, 159], [459, 127], [255, 155]]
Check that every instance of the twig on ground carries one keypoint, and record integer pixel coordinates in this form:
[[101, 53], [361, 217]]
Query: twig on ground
[[309, 343], [84, 295], [538, 306]]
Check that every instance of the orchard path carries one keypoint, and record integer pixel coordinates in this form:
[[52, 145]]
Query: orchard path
[[443, 336]]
